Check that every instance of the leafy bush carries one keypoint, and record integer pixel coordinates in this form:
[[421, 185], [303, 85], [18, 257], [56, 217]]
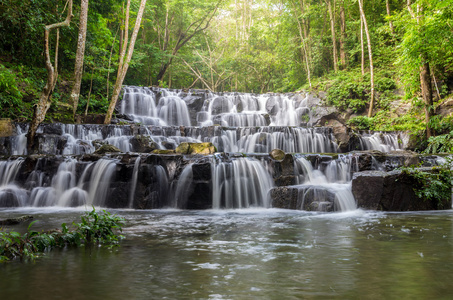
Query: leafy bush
[[10, 95], [361, 123], [432, 186], [94, 229], [440, 143]]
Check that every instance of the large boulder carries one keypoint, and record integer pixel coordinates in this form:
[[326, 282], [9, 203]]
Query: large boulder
[[391, 191], [196, 148]]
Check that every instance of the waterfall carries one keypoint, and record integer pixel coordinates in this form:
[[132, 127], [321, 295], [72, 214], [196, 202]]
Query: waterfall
[[240, 183], [320, 190], [134, 182], [10, 194]]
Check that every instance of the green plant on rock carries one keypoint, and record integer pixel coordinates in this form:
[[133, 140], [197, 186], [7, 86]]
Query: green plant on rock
[[434, 185], [361, 123], [94, 229], [440, 144]]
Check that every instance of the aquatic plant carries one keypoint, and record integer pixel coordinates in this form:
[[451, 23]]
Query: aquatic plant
[[94, 229]]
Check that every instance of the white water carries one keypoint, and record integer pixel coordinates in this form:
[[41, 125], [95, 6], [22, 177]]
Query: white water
[[240, 183], [319, 186]]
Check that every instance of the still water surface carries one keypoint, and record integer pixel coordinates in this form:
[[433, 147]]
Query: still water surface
[[245, 254]]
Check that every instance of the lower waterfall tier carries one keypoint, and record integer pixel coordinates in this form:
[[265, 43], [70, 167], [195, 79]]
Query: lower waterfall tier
[[220, 181]]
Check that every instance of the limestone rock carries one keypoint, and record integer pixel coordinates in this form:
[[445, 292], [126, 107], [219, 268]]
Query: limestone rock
[[196, 148], [277, 154], [107, 148]]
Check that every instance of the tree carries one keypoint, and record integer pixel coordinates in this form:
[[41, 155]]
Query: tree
[[124, 64], [183, 35], [40, 109], [78, 68], [370, 56]]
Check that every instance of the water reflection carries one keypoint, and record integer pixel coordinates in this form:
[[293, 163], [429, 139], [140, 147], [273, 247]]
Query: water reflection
[[237, 254]]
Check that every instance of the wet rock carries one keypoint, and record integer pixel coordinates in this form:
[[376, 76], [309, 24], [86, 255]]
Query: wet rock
[[163, 151], [196, 148], [107, 148], [277, 154], [143, 144], [390, 191], [15, 221]]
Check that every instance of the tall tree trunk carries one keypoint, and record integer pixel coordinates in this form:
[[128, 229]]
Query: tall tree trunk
[[343, 36], [124, 64], [80, 54], [362, 46], [303, 37], [427, 94], [370, 56], [332, 29], [387, 6], [40, 109]]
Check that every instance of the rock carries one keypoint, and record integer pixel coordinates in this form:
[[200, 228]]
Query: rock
[[163, 151], [277, 154], [107, 148], [196, 148], [6, 128], [143, 144], [304, 197], [445, 108], [390, 191], [15, 221]]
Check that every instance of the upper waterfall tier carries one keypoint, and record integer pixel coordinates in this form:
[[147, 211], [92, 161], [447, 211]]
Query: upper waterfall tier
[[202, 108], [233, 122]]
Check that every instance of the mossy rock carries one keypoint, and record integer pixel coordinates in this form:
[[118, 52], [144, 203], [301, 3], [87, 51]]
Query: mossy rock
[[277, 154], [6, 127], [196, 148], [163, 151], [107, 148]]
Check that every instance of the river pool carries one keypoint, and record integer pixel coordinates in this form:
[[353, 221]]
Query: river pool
[[244, 254]]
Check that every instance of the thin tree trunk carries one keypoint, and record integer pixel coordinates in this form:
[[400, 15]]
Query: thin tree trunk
[[40, 109], [387, 6], [124, 65], [89, 93], [332, 29], [343, 36], [370, 56], [427, 93], [80, 54], [362, 46]]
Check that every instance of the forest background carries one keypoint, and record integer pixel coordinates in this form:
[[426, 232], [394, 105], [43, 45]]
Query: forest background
[[373, 59]]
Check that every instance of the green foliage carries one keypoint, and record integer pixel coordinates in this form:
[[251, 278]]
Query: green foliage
[[434, 185], [94, 229], [440, 144], [361, 123]]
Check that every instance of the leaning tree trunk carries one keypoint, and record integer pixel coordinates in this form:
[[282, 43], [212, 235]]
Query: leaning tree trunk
[[370, 56], [78, 68], [40, 109], [124, 65]]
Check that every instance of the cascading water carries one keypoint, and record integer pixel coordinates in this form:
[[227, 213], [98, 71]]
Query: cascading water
[[240, 183], [383, 142], [320, 190], [233, 122]]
